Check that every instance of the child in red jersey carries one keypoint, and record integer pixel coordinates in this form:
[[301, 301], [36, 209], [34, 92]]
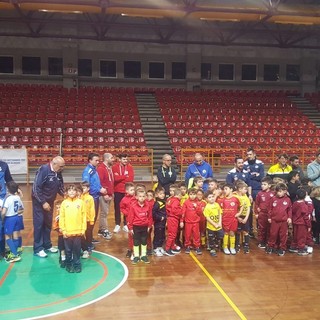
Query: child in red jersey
[[125, 205], [191, 216], [261, 208], [174, 214], [150, 200], [280, 215], [231, 211], [301, 211], [139, 223], [203, 222]]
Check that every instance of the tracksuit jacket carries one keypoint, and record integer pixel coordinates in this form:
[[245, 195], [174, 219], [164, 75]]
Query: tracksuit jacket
[[90, 175]]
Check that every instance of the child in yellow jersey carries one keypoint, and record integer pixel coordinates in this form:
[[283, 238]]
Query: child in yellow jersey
[[62, 253], [184, 193], [88, 201], [243, 223], [73, 224], [198, 182], [213, 214]]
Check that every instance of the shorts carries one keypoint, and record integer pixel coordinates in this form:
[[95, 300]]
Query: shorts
[[21, 224], [230, 225], [244, 226], [11, 224]]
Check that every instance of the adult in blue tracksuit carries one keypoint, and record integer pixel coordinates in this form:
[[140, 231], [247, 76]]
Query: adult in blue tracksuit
[[255, 169], [238, 173], [198, 168], [48, 182], [90, 175]]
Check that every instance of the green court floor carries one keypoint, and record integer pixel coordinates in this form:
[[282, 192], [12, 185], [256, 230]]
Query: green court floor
[[36, 287]]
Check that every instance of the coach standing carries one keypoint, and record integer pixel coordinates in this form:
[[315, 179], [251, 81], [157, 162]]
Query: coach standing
[[48, 182], [166, 174]]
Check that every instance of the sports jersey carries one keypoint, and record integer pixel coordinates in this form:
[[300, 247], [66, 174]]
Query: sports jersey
[[234, 175], [214, 212], [122, 174], [281, 209], [255, 169], [230, 207], [263, 201], [139, 215], [173, 208], [191, 211], [89, 207], [244, 203], [13, 204], [125, 204], [159, 213], [301, 211], [90, 175], [276, 171]]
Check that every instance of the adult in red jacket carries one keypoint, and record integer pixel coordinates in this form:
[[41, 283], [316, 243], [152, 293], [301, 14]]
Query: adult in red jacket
[[123, 173], [107, 181]]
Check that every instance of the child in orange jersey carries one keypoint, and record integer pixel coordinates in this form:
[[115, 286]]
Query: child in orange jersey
[[191, 216], [125, 204], [150, 200], [88, 201], [231, 211], [139, 223], [174, 214], [62, 253], [202, 224]]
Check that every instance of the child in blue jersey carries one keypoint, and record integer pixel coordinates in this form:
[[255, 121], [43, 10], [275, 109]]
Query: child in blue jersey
[[12, 208]]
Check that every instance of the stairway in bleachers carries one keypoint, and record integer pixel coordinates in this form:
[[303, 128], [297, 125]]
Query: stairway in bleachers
[[155, 133], [308, 109]]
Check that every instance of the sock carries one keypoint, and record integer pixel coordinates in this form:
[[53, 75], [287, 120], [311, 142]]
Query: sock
[[20, 241], [246, 240], [143, 250], [12, 246], [16, 243], [136, 251], [237, 239], [232, 242], [63, 258], [225, 241]]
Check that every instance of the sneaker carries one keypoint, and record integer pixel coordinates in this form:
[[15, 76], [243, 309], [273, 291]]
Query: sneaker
[[226, 251], [77, 269], [101, 232], [107, 235], [85, 255], [162, 250], [281, 252], [70, 269], [251, 235], [132, 257], [208, 248], [116, 229], [309, 249], [169, 253], [62, 263], [176, 250], [90, 248], [12, 258], [213, 253], [262, 245], [95, 241], [129, 254], [135, 260], [19, 250], [246, 249], [125, 228], [188, 250], [53, 250], [269, 250], [233, 251], [293, 250], [145, 259], [198, 251], [41, 254], [302, 253], [158, 253]]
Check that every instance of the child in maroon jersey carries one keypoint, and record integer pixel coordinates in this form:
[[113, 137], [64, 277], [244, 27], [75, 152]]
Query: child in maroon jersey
[[191, 212], [174, 214], [139, 223], [125, 205], [301, 211], [261, 208], [280, 215]]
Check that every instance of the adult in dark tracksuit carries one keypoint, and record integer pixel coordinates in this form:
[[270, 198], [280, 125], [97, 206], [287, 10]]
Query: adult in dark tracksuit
[[48, 182], [255, 169], [166, 174]]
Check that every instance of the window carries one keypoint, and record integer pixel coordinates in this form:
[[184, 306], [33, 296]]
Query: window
[[31, 65], [271, 72], [293, 72], [108, 69], [55, 66], [156, 70], [6, 64], [85, 67], [226, 71], [179, 70], [249, 72], [206, 71], [132, 69]]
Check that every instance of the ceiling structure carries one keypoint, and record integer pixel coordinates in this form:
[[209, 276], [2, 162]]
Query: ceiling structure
[[271, 23]]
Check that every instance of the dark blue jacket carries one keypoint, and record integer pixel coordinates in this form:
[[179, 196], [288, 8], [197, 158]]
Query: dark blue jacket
[[47, 184], [90, 175], [252, 167], [159, 212], [5, 176], [234, 175]]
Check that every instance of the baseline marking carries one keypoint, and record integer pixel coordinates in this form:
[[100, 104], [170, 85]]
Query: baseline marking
[[5, 275], [216, 284]]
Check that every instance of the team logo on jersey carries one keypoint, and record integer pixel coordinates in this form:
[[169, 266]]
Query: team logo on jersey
[[243, 175], [285, 203], [232, 204], [51, 179], [204, 171], [274, 204], [256, 166]]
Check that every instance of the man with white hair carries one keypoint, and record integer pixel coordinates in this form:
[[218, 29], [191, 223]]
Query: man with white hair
[[198, 168], [107, 181], [48, 182]]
